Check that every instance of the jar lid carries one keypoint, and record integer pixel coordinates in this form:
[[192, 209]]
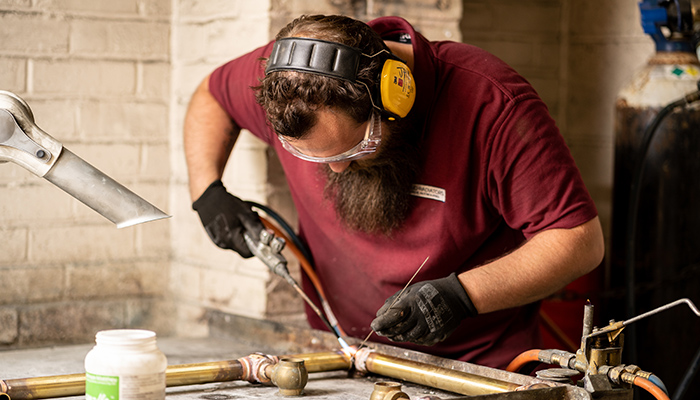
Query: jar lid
[[125, 336]]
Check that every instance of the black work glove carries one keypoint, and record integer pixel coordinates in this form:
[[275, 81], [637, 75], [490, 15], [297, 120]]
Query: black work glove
[[426, 313], [226, 217]]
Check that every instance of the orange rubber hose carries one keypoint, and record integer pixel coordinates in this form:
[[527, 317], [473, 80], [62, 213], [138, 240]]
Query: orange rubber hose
[[650, 387], [524, 358], [305, 264]]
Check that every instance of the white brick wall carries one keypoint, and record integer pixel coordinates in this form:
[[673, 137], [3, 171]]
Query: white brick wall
[[95, 74]]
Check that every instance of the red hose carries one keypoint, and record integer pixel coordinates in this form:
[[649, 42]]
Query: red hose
[[522, 359], [650, 387]]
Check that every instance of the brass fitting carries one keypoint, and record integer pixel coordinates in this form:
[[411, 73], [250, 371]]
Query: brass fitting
[[623, 374], [387, 391], [290, 376]]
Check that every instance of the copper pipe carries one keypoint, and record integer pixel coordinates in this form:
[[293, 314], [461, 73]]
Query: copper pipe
[[321, 362], [207, 372], [224, 371], [430, 375], [44, 387], [175, 375]]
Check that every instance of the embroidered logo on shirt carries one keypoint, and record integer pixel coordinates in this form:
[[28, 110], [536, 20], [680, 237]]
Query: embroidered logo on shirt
[[428, 192]]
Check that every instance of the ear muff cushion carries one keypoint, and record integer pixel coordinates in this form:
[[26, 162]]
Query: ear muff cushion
[[398, 92]]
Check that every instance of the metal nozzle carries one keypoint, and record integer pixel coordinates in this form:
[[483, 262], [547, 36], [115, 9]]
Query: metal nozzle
[[24, 143]]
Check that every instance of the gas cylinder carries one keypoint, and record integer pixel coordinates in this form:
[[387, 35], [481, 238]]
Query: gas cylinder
[[667, 236]]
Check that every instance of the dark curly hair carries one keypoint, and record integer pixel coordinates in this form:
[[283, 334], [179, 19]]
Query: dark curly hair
[[291, 98]]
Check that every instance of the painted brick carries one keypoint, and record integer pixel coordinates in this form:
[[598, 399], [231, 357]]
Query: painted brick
[[600, 71], [81, 243], [282, 298], [239, 294], [153, 314], [220, 40], [191, 320], [13, 249], [548, 89], [185, 281], [13, 175], [211, 8], [13, 77], [190, 76], [293, 9], [58, 118], [421, 10], [158, 8], [68, 322], [155, 78], [103, 7], [33, 36], [31, 285], [610, 18], [83, 77], [16, 3], [155, 162], [9, 325], [120, 120], [111, 280], [248, 163], [512, 52], [153, 238], [476, 16], [120, 39], [439, 30], [39, 202], [531, 17]]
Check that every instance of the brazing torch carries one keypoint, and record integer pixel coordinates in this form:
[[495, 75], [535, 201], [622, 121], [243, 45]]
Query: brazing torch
[[268, 249]]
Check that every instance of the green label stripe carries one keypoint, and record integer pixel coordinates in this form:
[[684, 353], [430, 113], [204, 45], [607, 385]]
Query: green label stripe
[[101, 387]]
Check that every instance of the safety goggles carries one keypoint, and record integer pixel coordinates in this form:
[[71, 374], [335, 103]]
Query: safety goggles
[[368, 145]]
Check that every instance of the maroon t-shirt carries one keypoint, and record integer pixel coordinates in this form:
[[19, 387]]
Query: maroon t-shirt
[[497, 171]]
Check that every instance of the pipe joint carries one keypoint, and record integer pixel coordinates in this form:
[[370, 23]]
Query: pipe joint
[[564, 359], [255, 365], [361, 357]]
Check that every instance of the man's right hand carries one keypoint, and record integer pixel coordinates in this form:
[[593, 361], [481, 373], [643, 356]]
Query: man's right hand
[[226, 217]]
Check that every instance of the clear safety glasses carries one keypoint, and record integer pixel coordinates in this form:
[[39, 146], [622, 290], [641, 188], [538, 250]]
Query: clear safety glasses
[[368, 145]]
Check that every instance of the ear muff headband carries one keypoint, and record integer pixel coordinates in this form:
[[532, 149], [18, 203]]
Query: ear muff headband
[[395, 93]]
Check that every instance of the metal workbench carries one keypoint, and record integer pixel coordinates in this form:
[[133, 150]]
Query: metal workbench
[[232, 337]]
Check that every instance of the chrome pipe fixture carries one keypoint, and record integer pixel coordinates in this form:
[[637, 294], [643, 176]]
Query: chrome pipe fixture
[[25, 144]]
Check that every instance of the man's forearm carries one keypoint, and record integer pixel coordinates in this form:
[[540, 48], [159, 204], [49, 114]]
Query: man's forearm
[[543, 265], [209, 136]]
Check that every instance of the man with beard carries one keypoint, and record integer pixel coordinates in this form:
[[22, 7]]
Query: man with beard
[[463, 166]]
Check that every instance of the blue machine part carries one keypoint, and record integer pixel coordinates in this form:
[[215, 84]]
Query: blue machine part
[[655, 15]]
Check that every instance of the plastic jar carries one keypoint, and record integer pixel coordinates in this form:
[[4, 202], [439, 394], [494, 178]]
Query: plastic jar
[[125, 364]]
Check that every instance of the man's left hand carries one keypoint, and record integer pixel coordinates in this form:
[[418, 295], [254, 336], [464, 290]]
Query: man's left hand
[[427, 312]]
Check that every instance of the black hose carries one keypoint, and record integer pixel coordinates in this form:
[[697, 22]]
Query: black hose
[[633, 209], [688, 377], [285, 226]]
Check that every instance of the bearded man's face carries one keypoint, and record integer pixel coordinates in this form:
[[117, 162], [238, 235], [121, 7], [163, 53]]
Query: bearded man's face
[[373, 194]]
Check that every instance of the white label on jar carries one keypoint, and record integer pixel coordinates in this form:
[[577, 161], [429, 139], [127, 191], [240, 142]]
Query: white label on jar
[[128, 387]]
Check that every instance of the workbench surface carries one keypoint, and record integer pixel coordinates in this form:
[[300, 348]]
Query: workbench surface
[[69, 360]]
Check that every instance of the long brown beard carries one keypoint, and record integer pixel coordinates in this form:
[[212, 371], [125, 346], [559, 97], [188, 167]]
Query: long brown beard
[[373, 196]]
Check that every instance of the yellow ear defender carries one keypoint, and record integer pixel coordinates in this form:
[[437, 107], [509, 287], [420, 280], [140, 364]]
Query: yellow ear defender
[[394, 95]]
